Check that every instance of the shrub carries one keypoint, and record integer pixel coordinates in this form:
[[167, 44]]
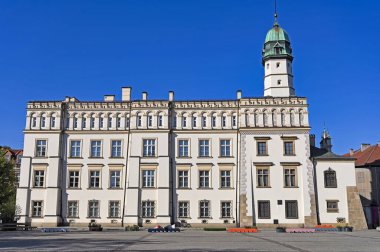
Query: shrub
[[214, 229]]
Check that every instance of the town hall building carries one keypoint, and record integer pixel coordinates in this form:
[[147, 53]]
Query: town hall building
[[244, 161]]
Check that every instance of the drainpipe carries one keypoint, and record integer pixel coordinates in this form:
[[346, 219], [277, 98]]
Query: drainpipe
[[238, 157], [62, 157], [316, 189]]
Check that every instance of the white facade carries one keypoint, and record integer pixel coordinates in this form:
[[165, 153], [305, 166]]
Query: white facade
[[244, 161]]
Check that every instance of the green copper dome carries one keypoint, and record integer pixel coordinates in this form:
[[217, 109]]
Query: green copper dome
[[277, 34], [277, 44]]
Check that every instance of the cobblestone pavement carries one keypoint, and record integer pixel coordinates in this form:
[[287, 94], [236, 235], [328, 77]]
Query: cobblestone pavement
[[189, 240]]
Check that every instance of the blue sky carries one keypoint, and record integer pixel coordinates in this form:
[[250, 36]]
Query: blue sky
[[200, 49]]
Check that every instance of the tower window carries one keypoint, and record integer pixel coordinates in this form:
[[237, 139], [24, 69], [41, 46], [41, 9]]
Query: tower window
[[278, 64], [279, 82]]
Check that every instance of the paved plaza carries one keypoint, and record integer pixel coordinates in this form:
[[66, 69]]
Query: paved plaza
[[189, 240]]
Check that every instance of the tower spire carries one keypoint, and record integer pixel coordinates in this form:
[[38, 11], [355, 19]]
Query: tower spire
[[275, 13]]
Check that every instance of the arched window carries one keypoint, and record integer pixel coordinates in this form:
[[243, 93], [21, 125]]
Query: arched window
[[282, 118], [246, 118], [234, 120], [127, 121], [184, 121], [194, 120], [138, 120], [75, 121], [291, 117], [92, 121], [118, 121], [160, 120], [330, 178], [101, 121], [224, 120], [84, 121], [265, 118], [52, 120], [43, 120], [255, 119], [109, 121], [150, 120], [301, 117], [213, 120], [204, 120], [274, 118]]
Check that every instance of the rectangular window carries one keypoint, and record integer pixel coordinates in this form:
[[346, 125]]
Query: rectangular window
[[39, 178], [183, 148], [75, 149], [183, 209], [263, 177], [290, 177], [204, 179], [116, 148], [291, 209], [289, 148], [94, 179], [225, 179], [204, 148], [115, 179], [72, 209], [262, 148], [225, 148], [96, 148], [148, 209], [204, 209], [183, 179], [160, 121], [330, 178], [41, 148], [226, 209], [149, 147], [93, 209], [263, 209], [332, 206], [37, 209], [184, 122], [148, 178], [73, 179], [114, 209]]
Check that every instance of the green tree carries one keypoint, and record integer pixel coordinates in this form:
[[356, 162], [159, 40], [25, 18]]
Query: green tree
[[7, 190]]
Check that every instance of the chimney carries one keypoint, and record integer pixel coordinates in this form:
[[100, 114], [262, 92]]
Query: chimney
[[109, 98], [238, 94], [352, 152], [364, 146], [171, 95], [144, 96], [312, 140], [126, 94]]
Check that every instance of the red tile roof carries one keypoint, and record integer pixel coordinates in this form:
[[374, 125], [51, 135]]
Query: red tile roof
[[368, 157]]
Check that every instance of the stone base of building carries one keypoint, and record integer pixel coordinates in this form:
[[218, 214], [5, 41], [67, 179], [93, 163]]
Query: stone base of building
[[356, 217]]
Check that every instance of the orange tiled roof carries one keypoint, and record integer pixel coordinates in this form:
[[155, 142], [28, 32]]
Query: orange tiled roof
[[368, 157]]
